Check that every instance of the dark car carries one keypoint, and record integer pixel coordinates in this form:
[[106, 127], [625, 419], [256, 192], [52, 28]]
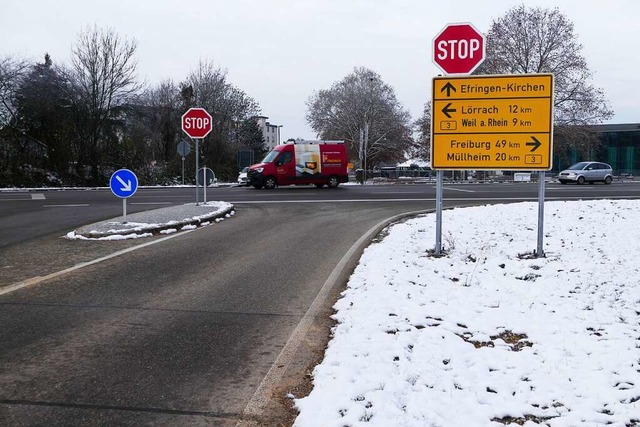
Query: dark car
[[590, 172]]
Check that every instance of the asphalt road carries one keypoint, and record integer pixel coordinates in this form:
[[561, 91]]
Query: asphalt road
[[185, 330], [28, 215]]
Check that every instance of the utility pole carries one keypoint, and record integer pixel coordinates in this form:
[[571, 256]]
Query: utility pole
[[366, 146]]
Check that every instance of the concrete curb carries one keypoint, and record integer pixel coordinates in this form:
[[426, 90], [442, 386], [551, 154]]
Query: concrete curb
[[153, 222]]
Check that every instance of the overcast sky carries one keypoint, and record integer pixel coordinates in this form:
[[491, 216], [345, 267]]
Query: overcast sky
[[280, 51]]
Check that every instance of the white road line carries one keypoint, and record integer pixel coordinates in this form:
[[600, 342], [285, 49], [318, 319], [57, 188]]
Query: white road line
[[38, 279], [458, 189], [38, 196], [67, 206], [153, 203]]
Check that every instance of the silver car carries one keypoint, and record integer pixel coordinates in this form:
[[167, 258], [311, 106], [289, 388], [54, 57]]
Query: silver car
[[590, 172], [242, 177]]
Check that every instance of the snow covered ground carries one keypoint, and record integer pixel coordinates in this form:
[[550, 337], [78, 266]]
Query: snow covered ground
[[487, 334]]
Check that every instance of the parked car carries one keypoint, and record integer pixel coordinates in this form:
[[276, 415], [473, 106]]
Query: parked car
[[242, 177], [590, 172]]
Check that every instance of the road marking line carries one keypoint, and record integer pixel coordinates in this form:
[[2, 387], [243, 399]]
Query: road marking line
[[38, 196], [153, 203], [458, 189], [66, 206], [39, 279]]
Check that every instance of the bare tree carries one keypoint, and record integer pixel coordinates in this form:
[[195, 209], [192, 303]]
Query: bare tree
[[537, 40], [12, 71], [362, 103], [230, 107], [102, 80], [422, 146], [161, 119], [41, 118]]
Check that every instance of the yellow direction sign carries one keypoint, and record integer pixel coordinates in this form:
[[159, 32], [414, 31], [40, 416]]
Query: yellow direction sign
[[492, 122]]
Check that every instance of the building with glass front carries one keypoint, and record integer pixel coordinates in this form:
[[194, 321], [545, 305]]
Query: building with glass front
[[619, 145]]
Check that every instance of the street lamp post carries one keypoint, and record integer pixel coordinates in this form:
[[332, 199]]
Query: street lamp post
[[367, 118], [366, 146]]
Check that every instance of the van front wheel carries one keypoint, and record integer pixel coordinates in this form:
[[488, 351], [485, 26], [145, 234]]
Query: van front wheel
[[333, 182], [269, 183]]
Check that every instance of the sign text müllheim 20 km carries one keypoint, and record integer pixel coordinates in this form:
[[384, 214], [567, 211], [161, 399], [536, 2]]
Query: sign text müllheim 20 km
[[492, 122]]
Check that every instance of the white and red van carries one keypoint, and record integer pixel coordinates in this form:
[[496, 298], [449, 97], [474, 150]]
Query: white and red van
[[302, 162]]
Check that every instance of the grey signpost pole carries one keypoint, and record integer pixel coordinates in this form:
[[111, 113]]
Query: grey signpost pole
[[366, 147], [183, 150], [453, 61], [197, 123], [514, 142], [541, 190], [123, 183], [197, 168], [439, 174], [204, 182]]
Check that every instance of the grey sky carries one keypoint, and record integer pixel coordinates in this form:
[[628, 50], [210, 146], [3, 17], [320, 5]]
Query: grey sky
[[280, 51]]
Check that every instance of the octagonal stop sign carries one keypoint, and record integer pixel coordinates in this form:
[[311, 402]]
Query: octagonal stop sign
[[459, 49], [196, 122]]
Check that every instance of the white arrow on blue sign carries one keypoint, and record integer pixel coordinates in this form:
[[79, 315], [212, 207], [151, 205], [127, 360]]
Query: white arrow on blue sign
[[123, 183]]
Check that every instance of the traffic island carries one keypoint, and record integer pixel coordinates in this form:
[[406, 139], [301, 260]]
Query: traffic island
[[158, 221]]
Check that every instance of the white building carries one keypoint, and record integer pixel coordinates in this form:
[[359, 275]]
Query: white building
[[270, 133]]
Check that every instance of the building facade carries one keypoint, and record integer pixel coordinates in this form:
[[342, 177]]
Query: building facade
[[270, 132], [619, 146]]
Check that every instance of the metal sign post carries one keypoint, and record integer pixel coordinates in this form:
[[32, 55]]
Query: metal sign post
[[197, 168], [541, 190], [206, 177], [197, 123], [439, 174], [487, 122], [182, 170], [459, 48], [123, 183], [492, 122], [183, 150]]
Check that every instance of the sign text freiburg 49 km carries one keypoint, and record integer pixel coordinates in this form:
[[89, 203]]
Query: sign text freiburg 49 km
[[197, 122], [492, 122]]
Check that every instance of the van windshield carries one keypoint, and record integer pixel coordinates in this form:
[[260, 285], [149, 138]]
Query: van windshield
[[270, 157]]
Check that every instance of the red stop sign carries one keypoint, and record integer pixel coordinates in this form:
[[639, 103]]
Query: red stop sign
[[458, 49], [196, 122]]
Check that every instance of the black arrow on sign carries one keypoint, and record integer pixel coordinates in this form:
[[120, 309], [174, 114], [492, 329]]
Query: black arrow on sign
[[535, 144], [448, 87], [446, 110]]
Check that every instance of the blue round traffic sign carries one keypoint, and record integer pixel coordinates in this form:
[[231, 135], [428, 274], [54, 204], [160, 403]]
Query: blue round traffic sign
[[123, 183]]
